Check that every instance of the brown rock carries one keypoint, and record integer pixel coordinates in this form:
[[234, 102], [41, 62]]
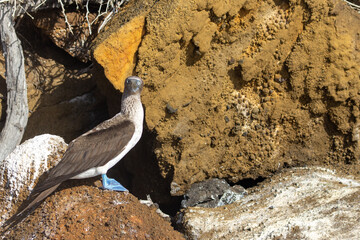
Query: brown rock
[[314, 50], [85, 212], [116, 54], [308, 116], [61, 102]]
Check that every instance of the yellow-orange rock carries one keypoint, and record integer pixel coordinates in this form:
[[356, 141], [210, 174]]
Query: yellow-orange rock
[[116, 53]]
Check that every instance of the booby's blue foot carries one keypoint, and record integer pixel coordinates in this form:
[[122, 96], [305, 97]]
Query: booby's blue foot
[[112, 184]]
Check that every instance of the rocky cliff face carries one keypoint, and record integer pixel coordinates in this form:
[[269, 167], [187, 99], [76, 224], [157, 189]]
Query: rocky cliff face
[[243, 88]]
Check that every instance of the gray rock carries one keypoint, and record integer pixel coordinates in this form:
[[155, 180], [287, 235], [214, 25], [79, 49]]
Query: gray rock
[[205, 194]]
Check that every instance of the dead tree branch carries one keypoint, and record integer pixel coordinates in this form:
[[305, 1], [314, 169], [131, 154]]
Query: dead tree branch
[[17, 106]]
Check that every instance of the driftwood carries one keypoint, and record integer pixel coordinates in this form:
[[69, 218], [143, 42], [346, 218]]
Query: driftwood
[[17, 106]]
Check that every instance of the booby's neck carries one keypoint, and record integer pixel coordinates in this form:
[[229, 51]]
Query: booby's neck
[[131, 106]]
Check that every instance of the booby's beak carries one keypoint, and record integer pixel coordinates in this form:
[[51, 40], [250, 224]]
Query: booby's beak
[[134, 84]]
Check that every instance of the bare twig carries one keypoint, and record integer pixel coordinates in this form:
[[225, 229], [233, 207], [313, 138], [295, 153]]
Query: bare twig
[[22, 7], [106, 20], [87, 16], [26, 12], [110, 15], [99, 14], [66, 19], [40, 4], [100, 6]]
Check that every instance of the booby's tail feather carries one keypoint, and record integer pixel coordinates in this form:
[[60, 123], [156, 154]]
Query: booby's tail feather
[[35, 199]]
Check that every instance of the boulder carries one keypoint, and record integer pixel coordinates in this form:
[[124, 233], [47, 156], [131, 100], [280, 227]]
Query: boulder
[[87, 212], [300, 203], [80, 208], [20, 171]]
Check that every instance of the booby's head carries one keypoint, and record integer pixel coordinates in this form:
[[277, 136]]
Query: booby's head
[[130, 100], [133, 85]]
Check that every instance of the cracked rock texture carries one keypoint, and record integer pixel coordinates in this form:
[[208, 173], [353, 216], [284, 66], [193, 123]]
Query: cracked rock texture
[[117, 52], [212, 193]]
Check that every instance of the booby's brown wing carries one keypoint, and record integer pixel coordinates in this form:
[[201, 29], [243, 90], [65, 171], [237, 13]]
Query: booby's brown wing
[[93, 149]]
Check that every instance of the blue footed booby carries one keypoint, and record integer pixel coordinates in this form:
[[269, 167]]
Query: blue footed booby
[[96, 151]]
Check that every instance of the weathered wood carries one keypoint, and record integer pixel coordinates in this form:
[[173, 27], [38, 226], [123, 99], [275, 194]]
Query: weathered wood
[[17, 106]]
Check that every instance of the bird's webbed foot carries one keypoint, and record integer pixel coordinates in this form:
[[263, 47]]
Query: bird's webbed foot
[[112, 184]]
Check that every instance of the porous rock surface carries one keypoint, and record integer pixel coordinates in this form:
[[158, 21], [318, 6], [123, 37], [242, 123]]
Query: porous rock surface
[[115, 48], [243, 88], [301, 203]]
